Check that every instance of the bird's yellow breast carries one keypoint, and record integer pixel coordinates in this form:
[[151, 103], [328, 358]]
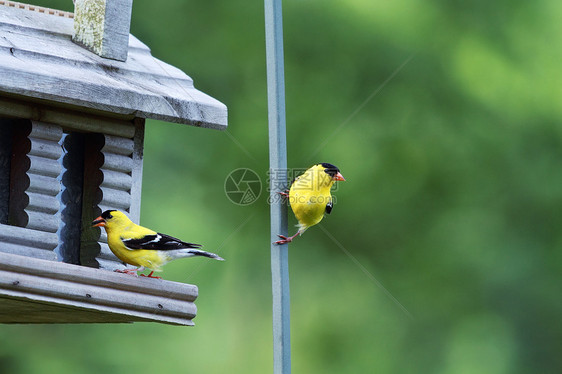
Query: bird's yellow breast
[[308, 200]]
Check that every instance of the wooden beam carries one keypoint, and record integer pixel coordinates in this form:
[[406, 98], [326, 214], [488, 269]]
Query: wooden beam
[[102, 26], [68, 119]]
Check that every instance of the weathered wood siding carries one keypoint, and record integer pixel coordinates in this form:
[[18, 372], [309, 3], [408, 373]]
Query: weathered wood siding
[[33, 203], [44, 170], [57, 179], [27, 242]]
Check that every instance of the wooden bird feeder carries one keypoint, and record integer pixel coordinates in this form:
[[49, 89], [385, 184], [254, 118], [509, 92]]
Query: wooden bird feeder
[[75, 90]]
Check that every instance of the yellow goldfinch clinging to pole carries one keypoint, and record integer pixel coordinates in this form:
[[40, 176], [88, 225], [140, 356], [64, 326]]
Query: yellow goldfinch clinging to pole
[[142, 247], [310, 196]]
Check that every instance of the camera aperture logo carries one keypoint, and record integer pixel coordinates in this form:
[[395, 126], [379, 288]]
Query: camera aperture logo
[[242, 186]]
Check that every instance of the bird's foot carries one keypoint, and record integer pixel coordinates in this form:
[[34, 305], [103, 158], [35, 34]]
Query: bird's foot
[[150, 275], [128, 271], [285, 239], [285, 193]]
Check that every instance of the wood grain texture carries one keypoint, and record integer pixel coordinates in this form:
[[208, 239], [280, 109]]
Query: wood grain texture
[[39, 61]]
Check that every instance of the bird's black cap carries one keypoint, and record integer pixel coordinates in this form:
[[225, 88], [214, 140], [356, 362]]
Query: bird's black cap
[[330, 169], [107, 214]]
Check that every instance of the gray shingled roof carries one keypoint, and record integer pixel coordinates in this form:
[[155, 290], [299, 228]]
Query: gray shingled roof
[[39, 60]]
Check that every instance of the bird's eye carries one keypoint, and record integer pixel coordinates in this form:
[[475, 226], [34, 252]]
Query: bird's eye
[[330, 172], [107, 214]]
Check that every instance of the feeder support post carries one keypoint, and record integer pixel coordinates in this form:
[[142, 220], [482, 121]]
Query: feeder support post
[[277, 180]]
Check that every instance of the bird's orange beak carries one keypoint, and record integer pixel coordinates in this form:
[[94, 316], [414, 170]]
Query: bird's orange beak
[[339, 177], [98, 222]]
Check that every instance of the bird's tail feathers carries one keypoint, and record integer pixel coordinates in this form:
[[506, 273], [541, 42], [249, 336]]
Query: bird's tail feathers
[[197, 252]]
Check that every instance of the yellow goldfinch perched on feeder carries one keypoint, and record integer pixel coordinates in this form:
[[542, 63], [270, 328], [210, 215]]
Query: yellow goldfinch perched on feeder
[[142, 247], [310, 196]]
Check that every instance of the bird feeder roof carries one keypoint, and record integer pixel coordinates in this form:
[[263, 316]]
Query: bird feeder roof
[[39, 61]]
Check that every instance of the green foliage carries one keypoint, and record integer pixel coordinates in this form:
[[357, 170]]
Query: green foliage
[[444, 117]]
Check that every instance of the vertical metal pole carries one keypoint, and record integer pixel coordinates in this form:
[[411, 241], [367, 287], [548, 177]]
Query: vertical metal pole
[[278, 178]]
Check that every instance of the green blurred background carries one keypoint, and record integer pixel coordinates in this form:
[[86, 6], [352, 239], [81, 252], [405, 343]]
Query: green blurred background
[[444, 117]]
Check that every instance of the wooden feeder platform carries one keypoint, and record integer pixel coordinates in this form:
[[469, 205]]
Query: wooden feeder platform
[[40, 291]]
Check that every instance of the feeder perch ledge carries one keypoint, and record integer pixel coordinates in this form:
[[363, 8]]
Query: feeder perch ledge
[[41, 291]]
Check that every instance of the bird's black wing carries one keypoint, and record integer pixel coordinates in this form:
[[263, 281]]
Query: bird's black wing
[[329, 207], [158, 241]]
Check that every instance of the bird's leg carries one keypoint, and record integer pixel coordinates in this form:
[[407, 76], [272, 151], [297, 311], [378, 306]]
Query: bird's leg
[[150, 275], [128, 271], [285, 240]]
